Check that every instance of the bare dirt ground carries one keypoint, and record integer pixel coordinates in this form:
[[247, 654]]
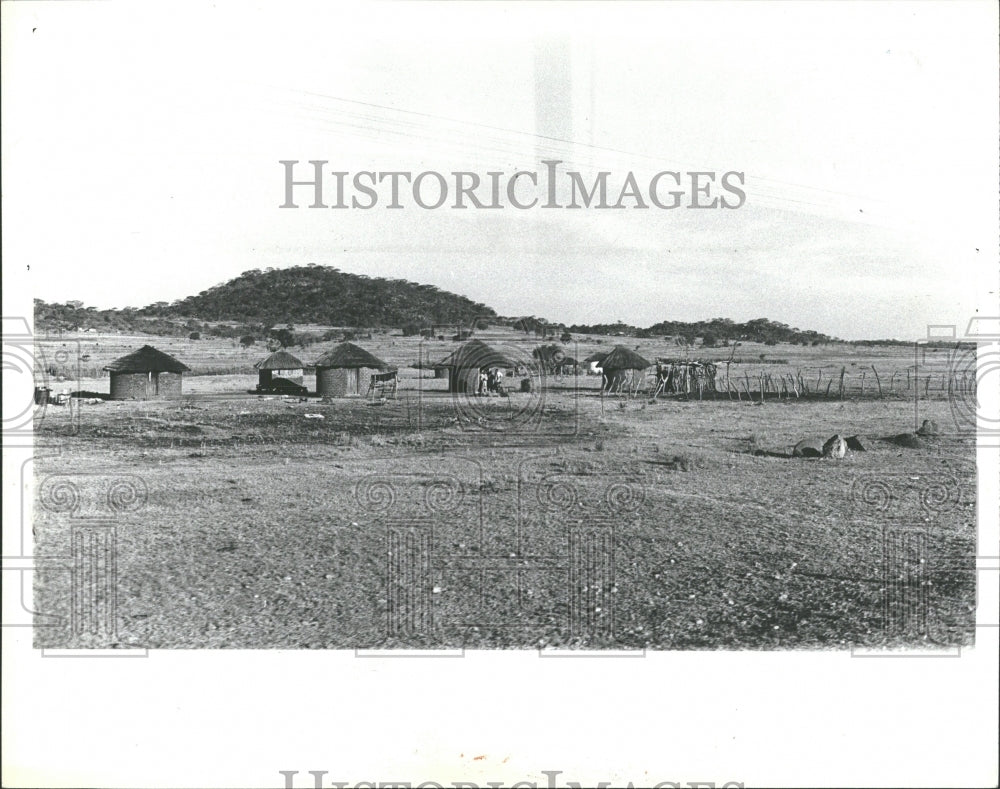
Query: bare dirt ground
[[555, 518]]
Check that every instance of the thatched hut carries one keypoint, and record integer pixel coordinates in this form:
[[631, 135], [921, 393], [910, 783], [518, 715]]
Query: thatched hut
[[620, 366], [567, 366], [465, 365], [146, 374], [593, 362], [346, 370], [280, 365]]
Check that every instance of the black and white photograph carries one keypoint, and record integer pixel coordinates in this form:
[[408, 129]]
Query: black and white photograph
[[500, 394]]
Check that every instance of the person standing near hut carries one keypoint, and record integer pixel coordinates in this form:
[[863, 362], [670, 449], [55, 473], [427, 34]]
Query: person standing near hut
[[468, 364]]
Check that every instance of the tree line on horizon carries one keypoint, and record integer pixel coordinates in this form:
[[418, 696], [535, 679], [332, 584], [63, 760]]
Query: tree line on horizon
[[262, 303]]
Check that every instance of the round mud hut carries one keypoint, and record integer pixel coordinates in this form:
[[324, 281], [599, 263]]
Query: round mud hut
[[465, 365], [620, 367], [146, 374], [279, 366], [346, 370]]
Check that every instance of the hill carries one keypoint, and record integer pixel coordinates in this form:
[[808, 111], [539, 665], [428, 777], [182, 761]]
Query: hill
[[259, 303], [257, 300], [324, 295]]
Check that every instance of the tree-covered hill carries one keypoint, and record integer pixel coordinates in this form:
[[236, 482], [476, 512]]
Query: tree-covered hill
[[259, 303], [324, 295]]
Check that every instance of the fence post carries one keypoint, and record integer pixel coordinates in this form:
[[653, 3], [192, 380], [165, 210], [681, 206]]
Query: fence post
[[877, 380]]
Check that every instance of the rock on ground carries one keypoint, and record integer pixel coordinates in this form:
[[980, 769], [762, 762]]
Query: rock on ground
[[835, 447], [928, 428], [808, 448]]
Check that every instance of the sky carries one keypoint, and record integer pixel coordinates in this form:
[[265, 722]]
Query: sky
[[141, 149]]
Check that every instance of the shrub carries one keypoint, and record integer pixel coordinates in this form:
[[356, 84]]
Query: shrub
[[285, 337], [247, 340], [195, 335]]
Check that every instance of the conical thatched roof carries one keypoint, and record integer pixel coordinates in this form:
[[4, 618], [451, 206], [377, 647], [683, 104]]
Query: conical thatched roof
[[147, 360], [475, 354], [621, 358], [350, 355], [280, 360]]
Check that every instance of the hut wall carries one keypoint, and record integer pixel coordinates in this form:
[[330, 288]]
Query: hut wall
[[463, 380], [343, 381], [167, 384], [145, 386], [129, 386]]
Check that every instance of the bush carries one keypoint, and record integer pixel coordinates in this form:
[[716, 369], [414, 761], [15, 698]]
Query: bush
[[247, 340], [285, 337], [195, 335]]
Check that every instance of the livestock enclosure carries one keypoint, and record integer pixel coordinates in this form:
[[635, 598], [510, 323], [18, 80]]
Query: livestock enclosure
[[559, 516]]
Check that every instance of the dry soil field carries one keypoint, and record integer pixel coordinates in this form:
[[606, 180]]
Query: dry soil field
[[552, 518]]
